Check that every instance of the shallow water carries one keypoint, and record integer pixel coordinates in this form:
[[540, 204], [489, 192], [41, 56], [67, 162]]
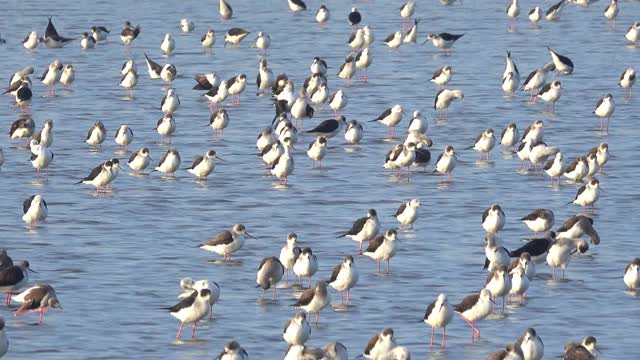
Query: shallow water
[[116, 259]]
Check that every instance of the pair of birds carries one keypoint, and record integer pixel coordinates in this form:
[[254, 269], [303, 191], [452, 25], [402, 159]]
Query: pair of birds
[[197, 300]]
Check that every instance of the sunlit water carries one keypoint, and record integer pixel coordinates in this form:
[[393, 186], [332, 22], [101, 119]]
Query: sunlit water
[[116, 259]]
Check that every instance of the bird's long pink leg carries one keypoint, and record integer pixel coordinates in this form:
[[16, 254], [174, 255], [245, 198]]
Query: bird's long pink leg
[[444, 337], [180, 330], [388, 266], [379, 271], [210, 311], [193, 332], [348, 295], [341, 298], [432, 334]]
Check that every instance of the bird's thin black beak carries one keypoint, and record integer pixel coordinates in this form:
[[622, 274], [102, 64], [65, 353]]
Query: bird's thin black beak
[[219, 158], [249, 235], [33, 271], [426, 41]]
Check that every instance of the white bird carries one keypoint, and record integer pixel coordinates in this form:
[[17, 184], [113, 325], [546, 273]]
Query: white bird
[[368, 36], [475, 308], [444, 98], [235, 36], [439, 315], [168, 44], [539, 220], [297, 5], [128, 65], [168, 73], [390, 117], [186, 26], [68, 75], [602, 154], [484, 143], [407, 213], [604, 109], [44, 137], [510, 135], [364, 229], [38, 298], [306, 265], [236, 86], [100, 176], [51, 76], [269, 274], [227, 242], [444, 41], [363, 61], [535, 15], [323, 14], [559, 255], [290, 253], [539, 154], [169, 162], [99, 33], [510, 83], [191, 310], [588, 194], [526, 262], [344, 277], [592, 161], [219, 120], [577, 169], [203, 165], [266, 138], [320, 95], [140, 160], [513, 10], [347, 69], [217, 94], [407, 9], [563, 64], [397, 353], [536, 80], [170, 102], [493, 219], [313, 300], [356, 40], [34, 209], [611, 12], [129, 33], [495, 255], [86, 41], [129, 80], [124, 136], [632, 274], [553, 13], [208, 39], [265, 78], [551, 93], [383, 248], [519, 283], [297, 330]]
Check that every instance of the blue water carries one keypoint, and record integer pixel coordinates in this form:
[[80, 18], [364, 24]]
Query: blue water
[[116, 259]]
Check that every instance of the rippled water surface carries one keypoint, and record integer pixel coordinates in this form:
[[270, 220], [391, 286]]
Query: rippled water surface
[[116, 259]]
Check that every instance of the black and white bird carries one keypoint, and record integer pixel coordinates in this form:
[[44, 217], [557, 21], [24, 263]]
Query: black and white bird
[[499, 283], [585, 350], [474, 308], [318, 150], [364, 229], [633, 33], [297, 330], [493, 219], [412, 34], [611, 12], [444, 98], [627, 80], [313, 300], [438, 315], [535, 15], [394, 40], [41, 158], [68, 76], [390, 118], [553, 13], [347, 69], [379, 344], [407, 213], [588, 194], [168, 45], [186, 26], [354, 17], [168, 73], [203, 165], [536, 248], [446, 162], [297, 5], [169, 162], [23, 96], [22, 128], [96, 134], [328, 128], [559, 255], [383, 248], [170, 102], [513, 10], [236, 86], [604, 109], [356, 40], [235, 36], [484, 143], [353, 133], [539, 220], [216, 95], [290, 253], [525, 262], [442, 76], [227, 242], [208, 39], [284, 165], [129, 80], [323, 14], [577, 169], [226, 12], [344, 277], [531, 345], [555, 167], [602, 154], [363, 61], [128, 65], [100, 33], [39, 298], [306, 265], [495, 255], [51, 37], [206, 81], [44, 137], [34, 209], [51, 76], [551, 93], [233, 350], [563, 64], [269, 274], [31, 40], [140, 160], [632, 274], [14, 278], [444, 41], [87, 41], [536, 79], [100, 176], [265, 78], [511, 351], [520, 283], [124, 137], [510, 135], [510, 83], [191, 310], [129, 33]]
